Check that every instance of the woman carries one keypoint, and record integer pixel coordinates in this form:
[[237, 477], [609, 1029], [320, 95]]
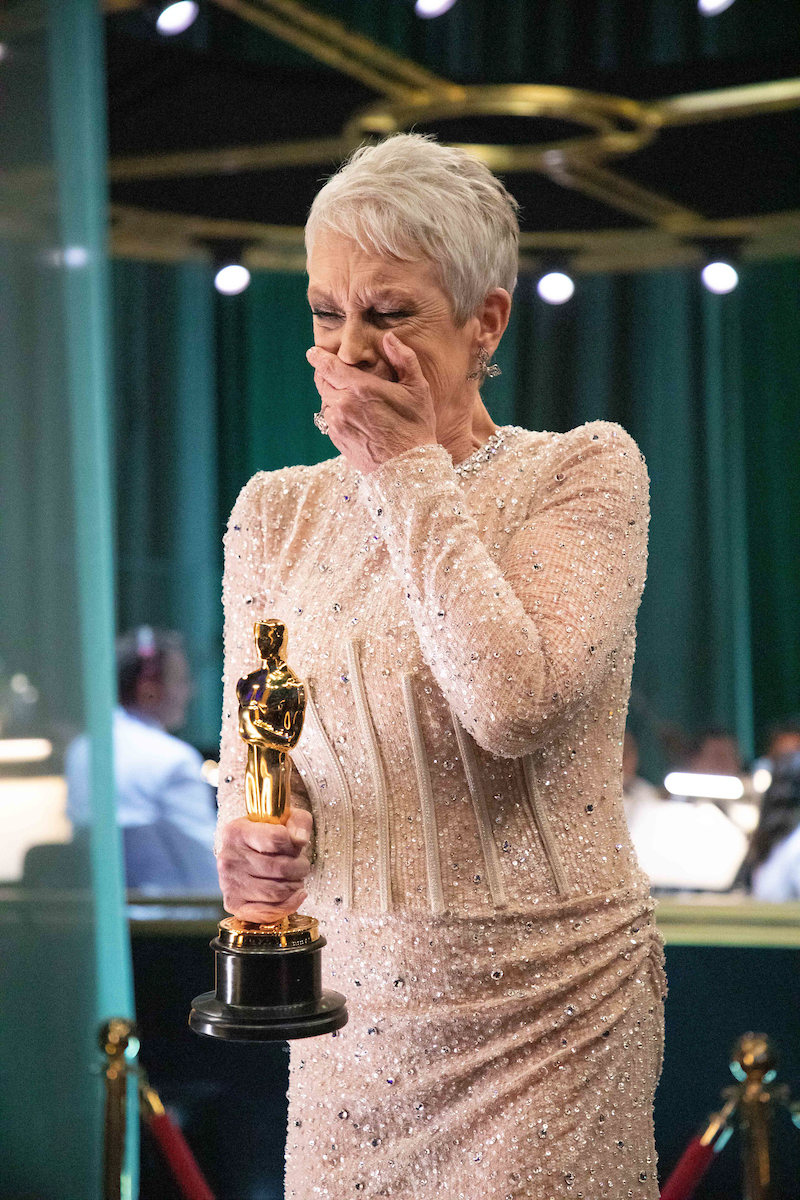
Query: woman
[[772, 866], [461, 601]]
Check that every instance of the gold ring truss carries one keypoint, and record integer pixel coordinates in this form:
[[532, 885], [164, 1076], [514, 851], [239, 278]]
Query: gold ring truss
[[608, 127]]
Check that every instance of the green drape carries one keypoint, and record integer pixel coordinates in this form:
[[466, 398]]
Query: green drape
[[539, 41], [706, 384], [165, 435]]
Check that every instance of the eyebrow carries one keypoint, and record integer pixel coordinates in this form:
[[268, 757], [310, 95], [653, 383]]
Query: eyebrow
[[397, 300]]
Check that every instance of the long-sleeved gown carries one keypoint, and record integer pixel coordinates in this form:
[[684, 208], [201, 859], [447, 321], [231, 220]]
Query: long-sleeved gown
[[467, 639]]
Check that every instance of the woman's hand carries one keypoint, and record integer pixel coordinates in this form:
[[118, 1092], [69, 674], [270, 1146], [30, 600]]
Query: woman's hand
[[371, 419], [262, 867]]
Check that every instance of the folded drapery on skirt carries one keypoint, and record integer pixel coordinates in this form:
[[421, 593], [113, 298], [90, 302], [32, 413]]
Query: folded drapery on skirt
[[513, 1056]]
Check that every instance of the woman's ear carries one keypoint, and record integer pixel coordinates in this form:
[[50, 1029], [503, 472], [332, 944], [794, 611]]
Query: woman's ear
[[493, 318]]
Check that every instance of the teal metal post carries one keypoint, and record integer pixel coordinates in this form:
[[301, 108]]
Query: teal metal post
[[79, 134]]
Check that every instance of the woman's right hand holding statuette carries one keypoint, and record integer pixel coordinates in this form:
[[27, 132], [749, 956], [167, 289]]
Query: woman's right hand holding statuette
[[262, 867], [263, 861]]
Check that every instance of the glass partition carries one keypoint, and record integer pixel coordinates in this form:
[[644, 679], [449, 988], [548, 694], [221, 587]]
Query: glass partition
[[63, 940]]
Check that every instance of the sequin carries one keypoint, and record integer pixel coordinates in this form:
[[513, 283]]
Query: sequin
[[504, 1032]]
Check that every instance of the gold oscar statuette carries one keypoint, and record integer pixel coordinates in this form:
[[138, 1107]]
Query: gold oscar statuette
[[268, 977]]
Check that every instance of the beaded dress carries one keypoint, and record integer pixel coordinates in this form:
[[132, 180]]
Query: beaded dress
[[467, 638]]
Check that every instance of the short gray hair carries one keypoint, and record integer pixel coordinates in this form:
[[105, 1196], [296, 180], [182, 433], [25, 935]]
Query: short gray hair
[[410, 198]]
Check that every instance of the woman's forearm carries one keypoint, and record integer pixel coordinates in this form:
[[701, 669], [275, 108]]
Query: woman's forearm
[[520, 643]]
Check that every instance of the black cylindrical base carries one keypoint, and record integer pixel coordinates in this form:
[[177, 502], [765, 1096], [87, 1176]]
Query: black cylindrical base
[[268, 993]]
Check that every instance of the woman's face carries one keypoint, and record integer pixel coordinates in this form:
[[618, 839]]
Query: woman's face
[[356, 297]]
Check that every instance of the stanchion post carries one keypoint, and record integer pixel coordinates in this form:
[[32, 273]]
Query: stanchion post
[[756, 1059], [114, 1038]]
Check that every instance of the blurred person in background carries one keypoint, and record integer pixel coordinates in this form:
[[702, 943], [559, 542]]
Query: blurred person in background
[[784, 738], [164, 804], [634, 788], [773, 860], [685, 843], [713, 751]]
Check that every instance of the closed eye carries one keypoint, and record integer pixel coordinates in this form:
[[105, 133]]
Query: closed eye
[[324, 316], [397, 315]]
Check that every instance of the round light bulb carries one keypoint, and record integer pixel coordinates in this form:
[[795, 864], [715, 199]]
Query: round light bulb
[[232, 280], [719, 277], [762, 778], [176, 18], [710, 8], [555, 287], [432, 8]]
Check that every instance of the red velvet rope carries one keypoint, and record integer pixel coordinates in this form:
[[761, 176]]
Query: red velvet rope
[[182, 1163], [688, 1172]]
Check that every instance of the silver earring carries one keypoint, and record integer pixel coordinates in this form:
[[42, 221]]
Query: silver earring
[[485, 367]]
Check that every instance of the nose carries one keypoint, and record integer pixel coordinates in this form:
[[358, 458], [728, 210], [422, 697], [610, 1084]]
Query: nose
[[357, 347]]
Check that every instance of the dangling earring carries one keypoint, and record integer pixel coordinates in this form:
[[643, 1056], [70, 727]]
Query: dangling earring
[[485, 367]]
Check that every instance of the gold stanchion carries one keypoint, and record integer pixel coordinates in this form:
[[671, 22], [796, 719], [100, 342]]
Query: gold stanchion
[[753, 1101], [114, 1038], [755, 1058]]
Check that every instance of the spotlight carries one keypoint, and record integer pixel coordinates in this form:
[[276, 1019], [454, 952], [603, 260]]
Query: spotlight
[[710, 8], [232, 279], [719, 277], [432, 8], [762, 778], [555, 287], [176, 18]]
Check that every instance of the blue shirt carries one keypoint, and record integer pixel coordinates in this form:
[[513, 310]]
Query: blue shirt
[[164, 805]]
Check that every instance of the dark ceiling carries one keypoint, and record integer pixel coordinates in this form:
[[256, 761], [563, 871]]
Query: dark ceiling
[[226, 83]]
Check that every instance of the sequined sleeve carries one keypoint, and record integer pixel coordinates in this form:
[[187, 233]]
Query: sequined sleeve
[[520, 644]]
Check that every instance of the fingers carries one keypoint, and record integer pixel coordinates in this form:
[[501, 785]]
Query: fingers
[[262, 866], [340, 375], [404, 361], [266, 913], [300, 826], [259, 836]]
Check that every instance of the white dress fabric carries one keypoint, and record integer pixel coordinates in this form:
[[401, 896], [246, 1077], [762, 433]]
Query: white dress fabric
[[467, 640]]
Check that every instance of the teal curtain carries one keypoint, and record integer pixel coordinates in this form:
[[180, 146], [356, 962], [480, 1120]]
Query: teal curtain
[[166, 444], [706, 384], [63, 936], [537, 41]]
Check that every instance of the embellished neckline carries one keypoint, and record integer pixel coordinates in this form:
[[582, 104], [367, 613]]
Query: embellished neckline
[[485, 453]]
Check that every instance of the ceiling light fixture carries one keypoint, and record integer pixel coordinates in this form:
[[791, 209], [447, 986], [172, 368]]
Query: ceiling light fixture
[[719, 277], [232, 279], [719, 274], [176, 18], [555, 287], [432, 8], [711, 8]]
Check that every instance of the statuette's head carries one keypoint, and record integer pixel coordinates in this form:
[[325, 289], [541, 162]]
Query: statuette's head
[[271, 638], [421, 240]]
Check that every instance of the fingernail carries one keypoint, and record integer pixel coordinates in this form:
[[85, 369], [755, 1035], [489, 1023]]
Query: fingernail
[[311, 353]]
